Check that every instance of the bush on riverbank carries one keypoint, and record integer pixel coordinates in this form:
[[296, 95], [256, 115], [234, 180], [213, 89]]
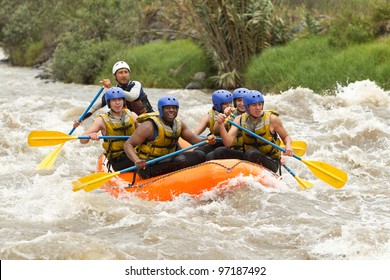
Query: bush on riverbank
[[85, 36], [315, 64], [161, 64], [80, 61]]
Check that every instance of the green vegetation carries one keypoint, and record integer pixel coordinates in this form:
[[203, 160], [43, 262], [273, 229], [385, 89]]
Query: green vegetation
[[80, 61], [161, 64], [314, 64], [270, 45], [231, 32]]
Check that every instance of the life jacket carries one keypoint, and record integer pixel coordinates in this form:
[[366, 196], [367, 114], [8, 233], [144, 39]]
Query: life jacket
[[238, 141], [117, 127], [143, 117], [165, 139], [261, 128], [213, 114]]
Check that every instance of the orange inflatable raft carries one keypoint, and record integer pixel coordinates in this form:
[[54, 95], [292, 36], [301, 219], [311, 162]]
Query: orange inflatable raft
[[193, 180]]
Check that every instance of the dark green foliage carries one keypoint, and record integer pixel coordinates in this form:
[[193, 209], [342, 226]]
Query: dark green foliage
[[80, 61], [21, 28], [381, 19], [312, 63], [350, 30], [161, 64], [87, 36], [232, 31]]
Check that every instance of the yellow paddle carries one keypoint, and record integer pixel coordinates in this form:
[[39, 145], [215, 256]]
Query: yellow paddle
[[93, 181], [49, 160], [302, 183], [324, 171], [299, 147], [37, 138]]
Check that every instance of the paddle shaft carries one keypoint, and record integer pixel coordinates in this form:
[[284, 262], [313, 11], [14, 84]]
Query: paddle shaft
[[299, 147], [51, 138], [258, 136], [164, 157], [87, 109], [68, 137], [218, 138], [326, 172], [94, 181], [106, 137], [49, 160], [289, 170], [303, 184]]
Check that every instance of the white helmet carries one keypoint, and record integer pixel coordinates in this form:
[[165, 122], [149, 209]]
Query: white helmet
[[119, 65]]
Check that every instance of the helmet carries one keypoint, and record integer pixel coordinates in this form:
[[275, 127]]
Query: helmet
[[167, 101], [119, 65], [114, 92], [219, 97], [251, 97], [239, 92]]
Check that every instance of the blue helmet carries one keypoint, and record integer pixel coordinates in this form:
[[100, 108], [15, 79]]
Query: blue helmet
[[114, 92], [251, 97], [167, 101], [239, 93], [219, 97]]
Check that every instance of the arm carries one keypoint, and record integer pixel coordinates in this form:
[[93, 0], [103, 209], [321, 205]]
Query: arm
[[276, 126], [227, 112], [97, 125], [134, 117], [131, 95], [227, 137], [203, 124], [135, 92], [192, 138], [144, 132]]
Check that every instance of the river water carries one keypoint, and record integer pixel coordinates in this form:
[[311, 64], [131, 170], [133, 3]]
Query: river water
[[42, 219]]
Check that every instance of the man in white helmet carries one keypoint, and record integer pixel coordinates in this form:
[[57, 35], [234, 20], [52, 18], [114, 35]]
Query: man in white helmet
[[136, 99]]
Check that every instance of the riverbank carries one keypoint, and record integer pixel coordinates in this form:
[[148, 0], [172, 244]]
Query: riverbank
[[276, 46], [313, 63], [308, 63]]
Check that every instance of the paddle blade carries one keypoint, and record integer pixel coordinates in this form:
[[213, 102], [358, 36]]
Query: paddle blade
[[299, 147], [93, 181], [303, 184], [48, 138], [327, 173], [49, 160]]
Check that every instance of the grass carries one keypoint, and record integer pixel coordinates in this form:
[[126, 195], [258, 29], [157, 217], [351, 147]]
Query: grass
[[312, 63], [332, 7], [162, 64]]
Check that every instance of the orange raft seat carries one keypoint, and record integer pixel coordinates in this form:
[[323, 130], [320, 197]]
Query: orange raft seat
[[192, 181]]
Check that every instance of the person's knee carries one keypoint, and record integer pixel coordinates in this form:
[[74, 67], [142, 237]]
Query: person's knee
[[210, 156], [262, 159], [202, 149], [200, 156], [144, 173], [180, 161], [271, 164], [218, 153]]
